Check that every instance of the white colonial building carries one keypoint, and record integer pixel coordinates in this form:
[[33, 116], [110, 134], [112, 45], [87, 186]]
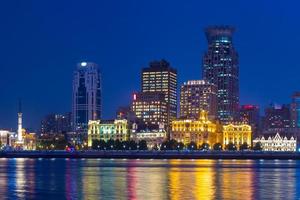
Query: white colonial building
[[154, 138], [277, 143]]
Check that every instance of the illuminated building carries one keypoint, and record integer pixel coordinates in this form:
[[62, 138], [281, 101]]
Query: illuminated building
[[221, 67], [162, 78], [277, 143], [86, 97], [237, 134], [150, 107], [250, 115], [56, 124], [108, 129], [295, 110], [200, 130], [154, 137], [5, 137], [29, 141], [198, 95], [277, 118]]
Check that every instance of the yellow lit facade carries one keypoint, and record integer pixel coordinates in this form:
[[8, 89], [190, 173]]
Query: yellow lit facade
[[108, 129], [199, 131], [237, 134]]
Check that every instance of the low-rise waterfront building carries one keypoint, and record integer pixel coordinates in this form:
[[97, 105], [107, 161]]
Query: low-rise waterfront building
[[237, 134], [117, 129], [5, 137], [154, 138], [200, 130], [277, 143]]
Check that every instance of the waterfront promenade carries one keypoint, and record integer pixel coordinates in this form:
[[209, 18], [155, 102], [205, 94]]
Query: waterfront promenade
[[152, 154]]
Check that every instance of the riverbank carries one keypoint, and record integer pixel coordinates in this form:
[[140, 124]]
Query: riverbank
[[152, 154]]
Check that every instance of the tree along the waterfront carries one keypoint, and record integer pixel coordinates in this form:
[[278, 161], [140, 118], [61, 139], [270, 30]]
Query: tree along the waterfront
[[204, 146], [217, 147], [244, 146], [192, 146], [231, 147], [257, 147]]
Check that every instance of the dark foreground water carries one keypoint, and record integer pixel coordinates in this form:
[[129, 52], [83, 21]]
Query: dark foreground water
[[148, 179]]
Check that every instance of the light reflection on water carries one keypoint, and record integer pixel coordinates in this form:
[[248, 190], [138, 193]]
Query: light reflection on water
[[149, 179]]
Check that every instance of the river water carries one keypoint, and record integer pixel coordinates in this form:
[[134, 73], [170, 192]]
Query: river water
[[148, 179]]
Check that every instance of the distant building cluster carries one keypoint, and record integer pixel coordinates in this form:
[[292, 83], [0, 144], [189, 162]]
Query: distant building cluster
[[205, 111]]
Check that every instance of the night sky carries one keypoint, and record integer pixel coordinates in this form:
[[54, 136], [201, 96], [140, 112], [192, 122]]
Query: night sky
[[41, 42]]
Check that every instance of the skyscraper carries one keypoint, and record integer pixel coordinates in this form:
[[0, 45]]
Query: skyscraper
[[161, 77], [220, 67], [198, 95], [151, 108], [86, 96], [295, 110]]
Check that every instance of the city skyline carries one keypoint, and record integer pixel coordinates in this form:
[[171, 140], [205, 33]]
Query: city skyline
[[29, 77]]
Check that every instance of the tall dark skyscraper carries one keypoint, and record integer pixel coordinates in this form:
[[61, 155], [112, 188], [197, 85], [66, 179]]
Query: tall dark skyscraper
[[86, 95], [221, 67], [161, 77]]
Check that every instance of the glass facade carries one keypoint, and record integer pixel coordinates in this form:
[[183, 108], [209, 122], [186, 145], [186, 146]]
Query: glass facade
[[86, 95], [220, 67]]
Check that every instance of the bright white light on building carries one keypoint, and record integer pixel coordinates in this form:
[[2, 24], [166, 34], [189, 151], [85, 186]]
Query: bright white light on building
[[83, 64]]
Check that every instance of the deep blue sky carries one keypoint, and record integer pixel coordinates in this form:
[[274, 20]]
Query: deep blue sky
[[41, 42]]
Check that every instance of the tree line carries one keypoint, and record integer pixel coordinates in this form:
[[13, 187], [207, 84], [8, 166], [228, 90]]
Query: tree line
[[167, 145]]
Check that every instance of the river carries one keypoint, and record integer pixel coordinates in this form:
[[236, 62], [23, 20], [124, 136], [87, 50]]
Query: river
[[70, 179]]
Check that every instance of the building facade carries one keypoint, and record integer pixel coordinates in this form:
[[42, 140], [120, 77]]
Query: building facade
[[221, 67], [295, 110], [250, 114], [237, 134], [56, 124], [86, 97], [5, 137], [154, 138], [162, 78], [277, 143], [200, 130], [117, 129], [277, 118], [198, 95], [151, 108]]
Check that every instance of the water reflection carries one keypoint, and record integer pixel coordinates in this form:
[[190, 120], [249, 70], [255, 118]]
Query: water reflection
[[146, 179]]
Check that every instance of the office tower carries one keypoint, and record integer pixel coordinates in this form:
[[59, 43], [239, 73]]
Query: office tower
[[250, 115], [197, 95], [220, 67], [161, 77], [295, 110], [56, 124], [86, 96], [277, 118], [151, 108]]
